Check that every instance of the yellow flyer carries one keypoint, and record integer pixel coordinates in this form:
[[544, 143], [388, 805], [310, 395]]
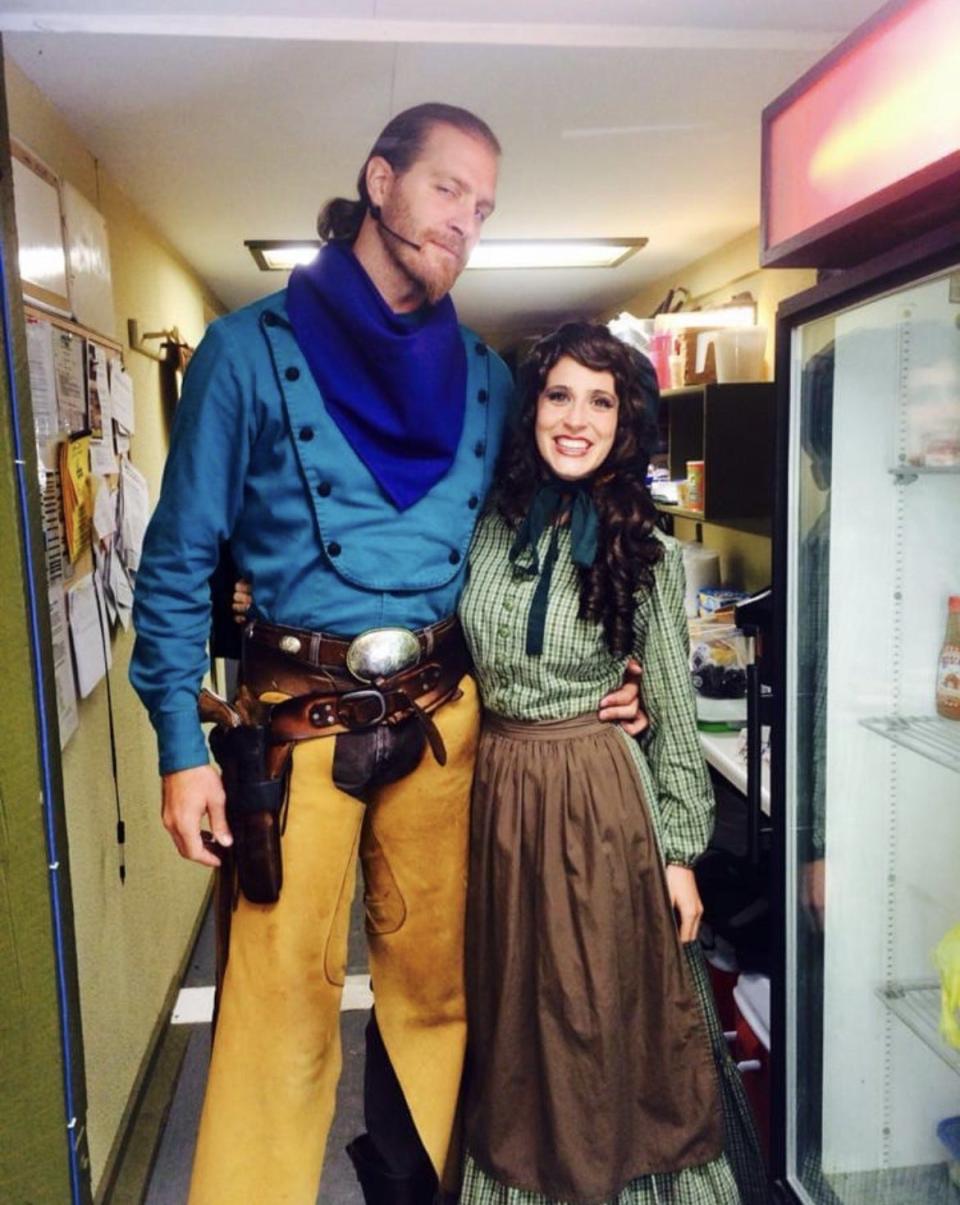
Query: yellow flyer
[[77, 494]]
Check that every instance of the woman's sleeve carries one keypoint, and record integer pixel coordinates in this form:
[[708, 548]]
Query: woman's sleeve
[[672, 743]]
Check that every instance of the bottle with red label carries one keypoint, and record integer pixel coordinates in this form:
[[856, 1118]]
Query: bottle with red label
[[948, 671]]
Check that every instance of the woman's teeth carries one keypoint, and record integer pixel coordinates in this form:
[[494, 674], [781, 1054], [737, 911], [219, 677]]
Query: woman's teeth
[[572, 447]]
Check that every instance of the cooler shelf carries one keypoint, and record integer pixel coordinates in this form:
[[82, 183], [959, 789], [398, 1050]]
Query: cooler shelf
[[906, 473], [917, 1003], [929, 735]]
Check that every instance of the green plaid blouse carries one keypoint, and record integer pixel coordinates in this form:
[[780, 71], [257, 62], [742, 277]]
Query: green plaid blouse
[[576, 670]]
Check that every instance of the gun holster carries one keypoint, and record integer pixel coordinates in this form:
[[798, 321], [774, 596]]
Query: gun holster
[[255, 782]]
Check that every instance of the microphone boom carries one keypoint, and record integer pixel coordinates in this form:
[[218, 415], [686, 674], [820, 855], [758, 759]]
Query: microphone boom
[[377, 217]]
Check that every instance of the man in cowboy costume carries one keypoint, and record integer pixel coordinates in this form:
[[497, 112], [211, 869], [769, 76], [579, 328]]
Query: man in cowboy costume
[[341, 436]]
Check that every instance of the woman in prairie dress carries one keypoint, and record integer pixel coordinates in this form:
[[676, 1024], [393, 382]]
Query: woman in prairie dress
[[591, 1076]]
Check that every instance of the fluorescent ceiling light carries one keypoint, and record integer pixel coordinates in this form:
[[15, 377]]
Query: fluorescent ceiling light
[[281, 255]]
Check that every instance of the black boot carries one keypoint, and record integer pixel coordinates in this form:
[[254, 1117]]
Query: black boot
[[381, 1186]]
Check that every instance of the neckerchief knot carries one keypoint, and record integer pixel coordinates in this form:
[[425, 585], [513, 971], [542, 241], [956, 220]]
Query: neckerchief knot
[[554, 502]]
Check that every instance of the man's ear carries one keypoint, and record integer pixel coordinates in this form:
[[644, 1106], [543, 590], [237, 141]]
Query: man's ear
[[380, 176]]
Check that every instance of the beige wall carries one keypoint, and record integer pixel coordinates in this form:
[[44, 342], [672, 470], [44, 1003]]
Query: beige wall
[[733, 268], [745, 559], [130, 939]]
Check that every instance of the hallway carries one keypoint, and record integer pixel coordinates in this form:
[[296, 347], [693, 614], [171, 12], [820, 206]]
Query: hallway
[[169, 1173]]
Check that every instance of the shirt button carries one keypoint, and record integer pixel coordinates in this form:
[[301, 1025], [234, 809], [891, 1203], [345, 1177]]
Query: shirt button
[[479, 448], [323, 489], [508, 604], [306, 434], [482, 396], [333, 548], [454, 557], [473, 502], [481, 349], [503, 630], [292, 374]]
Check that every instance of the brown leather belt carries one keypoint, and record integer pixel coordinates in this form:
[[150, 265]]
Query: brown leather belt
[[316, 650], [325, 699]]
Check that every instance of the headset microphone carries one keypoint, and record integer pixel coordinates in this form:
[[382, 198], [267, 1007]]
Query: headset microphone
[[375, 214]]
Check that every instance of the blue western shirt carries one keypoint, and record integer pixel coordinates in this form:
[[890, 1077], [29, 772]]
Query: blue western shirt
[[255, 459]]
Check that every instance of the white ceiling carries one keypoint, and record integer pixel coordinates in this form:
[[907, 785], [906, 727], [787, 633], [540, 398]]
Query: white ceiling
[[229, 122]]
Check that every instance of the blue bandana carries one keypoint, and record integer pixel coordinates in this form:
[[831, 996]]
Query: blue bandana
[[396, 388]]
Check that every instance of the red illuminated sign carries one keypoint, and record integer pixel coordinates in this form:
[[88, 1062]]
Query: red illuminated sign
[[864, 150]]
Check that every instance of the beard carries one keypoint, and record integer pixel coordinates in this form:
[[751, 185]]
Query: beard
[[430, 269]]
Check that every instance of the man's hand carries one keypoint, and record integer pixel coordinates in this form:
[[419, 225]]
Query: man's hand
[[242, 600], [623, 704], [685, 899], [187, 795]]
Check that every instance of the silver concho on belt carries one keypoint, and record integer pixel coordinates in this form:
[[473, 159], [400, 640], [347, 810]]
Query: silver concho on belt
[[381, 652]]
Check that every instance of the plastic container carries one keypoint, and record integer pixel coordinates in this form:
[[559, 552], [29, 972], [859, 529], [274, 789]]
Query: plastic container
[[948, 1131], [661, 348], [718, 662], [713, 600], [740, 354], [695, 484], [702, 569]]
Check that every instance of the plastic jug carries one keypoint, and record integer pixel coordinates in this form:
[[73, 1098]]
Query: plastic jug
[[740, 353], [738, 350]]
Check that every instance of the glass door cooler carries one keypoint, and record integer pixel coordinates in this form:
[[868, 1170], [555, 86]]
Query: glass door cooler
[[861, 180], [866, 769]]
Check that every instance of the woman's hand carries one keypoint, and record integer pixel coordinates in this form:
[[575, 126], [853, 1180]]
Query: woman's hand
[[242, 600], [686, 901], [623, 704]]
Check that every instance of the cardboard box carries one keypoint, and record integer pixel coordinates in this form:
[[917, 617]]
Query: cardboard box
[[688, 355]]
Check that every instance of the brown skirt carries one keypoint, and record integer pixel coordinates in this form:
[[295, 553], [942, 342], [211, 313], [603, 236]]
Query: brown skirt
[[589, 1062]]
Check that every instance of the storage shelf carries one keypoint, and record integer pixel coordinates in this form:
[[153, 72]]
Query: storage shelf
[[929, 735], [731, 429], [917, 1003], [682, 512], [905, 473], [753, 526]]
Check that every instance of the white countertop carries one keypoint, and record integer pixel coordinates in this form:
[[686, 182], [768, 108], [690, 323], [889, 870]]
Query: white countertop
[[720, 750]]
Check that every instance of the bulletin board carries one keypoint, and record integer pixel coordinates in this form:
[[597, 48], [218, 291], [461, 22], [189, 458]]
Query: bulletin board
[[43, 259], [94, 501]]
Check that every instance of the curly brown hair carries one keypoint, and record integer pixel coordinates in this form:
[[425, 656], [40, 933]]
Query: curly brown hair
[[627, 548]]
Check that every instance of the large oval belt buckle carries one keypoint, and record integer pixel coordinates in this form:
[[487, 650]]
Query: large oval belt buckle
[[382, 652]]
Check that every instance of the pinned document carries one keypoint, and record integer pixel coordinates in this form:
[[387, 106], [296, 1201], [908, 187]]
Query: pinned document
[[74, 458], [103, 459], [121, 397], [43, 379], [88, 625], [134, 512], [68, 364]]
